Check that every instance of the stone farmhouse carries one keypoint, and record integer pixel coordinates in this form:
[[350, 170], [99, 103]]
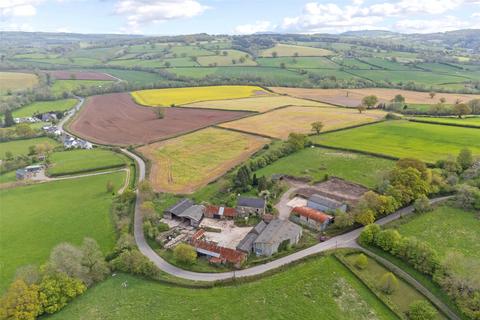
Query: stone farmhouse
[[250, 206], [311, 218]]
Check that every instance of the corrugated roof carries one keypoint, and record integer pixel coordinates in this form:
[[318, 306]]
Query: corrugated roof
[[278, 231], [312, 214], [251, 202], [327, 202], [180, 206], [210, 211], [230, 255], [194, 212]]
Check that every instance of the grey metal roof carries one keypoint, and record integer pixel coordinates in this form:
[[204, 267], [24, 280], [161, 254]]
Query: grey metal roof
[[246, 244], [277, 231], [180, 206], [259, 227], [194, 212], [327, 202], [251, 202]]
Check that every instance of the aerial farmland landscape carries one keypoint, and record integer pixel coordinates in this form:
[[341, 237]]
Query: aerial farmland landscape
[[206, 159]]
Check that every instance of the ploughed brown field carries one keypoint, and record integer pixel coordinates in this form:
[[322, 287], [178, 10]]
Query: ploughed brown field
[[353, 97], [79, 75], [116, 119]]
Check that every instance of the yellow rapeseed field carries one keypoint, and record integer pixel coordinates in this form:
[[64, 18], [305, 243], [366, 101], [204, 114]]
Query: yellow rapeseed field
[[185, 163], [179, 96]]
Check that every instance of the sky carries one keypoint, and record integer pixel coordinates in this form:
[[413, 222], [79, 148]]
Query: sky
[[172, 17]]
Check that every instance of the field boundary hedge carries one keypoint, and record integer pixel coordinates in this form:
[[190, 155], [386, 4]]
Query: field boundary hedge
[[113, 166], [471, 126]]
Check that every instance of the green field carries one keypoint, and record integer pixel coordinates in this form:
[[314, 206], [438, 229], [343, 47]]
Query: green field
[[20, 147], [135, 77], [228, 59], [301, 292], [8, 177], [386, 64], [44, 106], [36, 218], [288, 50], [75, 161], [317, 162], [298, 62], [468, 121], [428, 142], [60, 86]]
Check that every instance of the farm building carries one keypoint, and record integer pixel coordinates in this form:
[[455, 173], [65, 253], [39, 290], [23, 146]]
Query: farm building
[[218, 254], [246, 244], [326, 204], [275, 234], [217, 212], [28, 172], [250, 206], [185, 209], [311, 218]]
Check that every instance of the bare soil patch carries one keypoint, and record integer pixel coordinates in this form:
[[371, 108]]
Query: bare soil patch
[[353, 97], [79, 75], [116, 119]]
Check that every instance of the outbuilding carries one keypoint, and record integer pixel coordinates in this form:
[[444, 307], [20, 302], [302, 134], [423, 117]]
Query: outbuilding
[[311, 218], [250, 206], [325, 204], [276, 234]]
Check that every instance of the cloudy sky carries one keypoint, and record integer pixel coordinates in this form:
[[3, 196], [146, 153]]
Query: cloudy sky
[[169, 17]]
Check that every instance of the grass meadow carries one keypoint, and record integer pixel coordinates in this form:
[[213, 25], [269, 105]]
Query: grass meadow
[[20, 147], [304, 291], [427, 142], [17, 81], [467, 121], [35, 218], [317, 162], [60, 86], [44, 106], [179, 96], [75, 161]]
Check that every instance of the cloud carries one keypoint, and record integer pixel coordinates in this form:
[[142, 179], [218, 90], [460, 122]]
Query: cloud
[[259, 26], [476, 15], [18, 8], [443, 24], [142, 12]]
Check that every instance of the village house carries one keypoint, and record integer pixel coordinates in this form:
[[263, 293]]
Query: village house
[[217, 254], [311, 218], [246, 244], [186, 210], [217, 212], [325, 204], [48, 117], [275, 234], [250, 206]]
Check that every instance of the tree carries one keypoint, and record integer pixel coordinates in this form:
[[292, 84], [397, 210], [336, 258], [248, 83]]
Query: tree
[[388, 283], [274, 54], [28, 274], [344, 219], [461, 109], [370, 101], [295, 54], [146, 190], [474, 105], [368, 234], [24, 130], [185, 253], [361, 108], [8, 120], [443, 100], [361, 262], [283, 65], [297, 141], [317, 126], [159, 113], [422, 204], [110, 186], [94, 260], [388, 239], [465, 158], [57, 290], [399, 99], [168, 64], [262, 183], [432, 94], [21, 302], [242, 179], [421, 310], [66, 258], [365, 217]]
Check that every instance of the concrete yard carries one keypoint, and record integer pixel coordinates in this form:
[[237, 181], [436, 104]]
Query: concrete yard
[[297, 202], [230, 235]]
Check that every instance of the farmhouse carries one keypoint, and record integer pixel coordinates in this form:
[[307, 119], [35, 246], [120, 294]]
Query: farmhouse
[[217, 254], [326, 204], [217, 212], [276, 234], [186, 210], [246, 244], [311, 218], [250, 206]]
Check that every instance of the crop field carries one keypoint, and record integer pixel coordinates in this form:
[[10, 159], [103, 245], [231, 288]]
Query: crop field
[[37, 217], [427, 142], [154, 63], [257, 104], [280, 123], [292, 294], [20, 147], [17, 81], [333, 73], [318, 162], [227, 60], [117, 119], [44, 106], [179, 96], [420, 77], [185, 163], [190, 51], [467, 121], [287, 50], [352, 97], [76, 161], [79, 75], [61, 86], [298, 62], [380, 63]]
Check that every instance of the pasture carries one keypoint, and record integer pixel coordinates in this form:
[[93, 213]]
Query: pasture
[[179, 96], [300, 292], [231, 58], [298, 62], [427, 142], [77, 161], [467, 121], [44, 106], [61, 86], [352, 97], [185, 163], [281, 122], [79, 75], [17, 81], [136, 77], [288, 50], [35, 218], [257, 104], [318, 162], [20, 147]]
